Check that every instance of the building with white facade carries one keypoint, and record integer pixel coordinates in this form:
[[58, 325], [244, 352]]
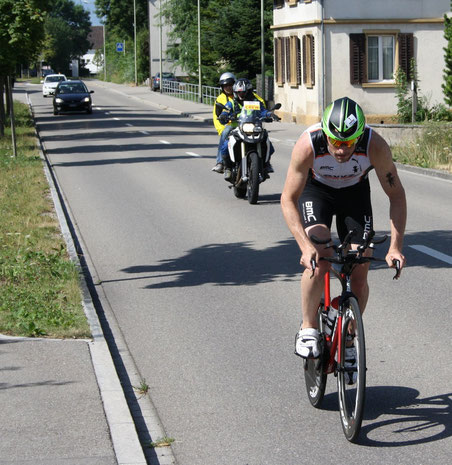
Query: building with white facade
[[327, 49]]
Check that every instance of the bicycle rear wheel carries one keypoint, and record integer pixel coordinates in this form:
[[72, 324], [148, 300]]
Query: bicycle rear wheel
[[352, 396], [314, 373]]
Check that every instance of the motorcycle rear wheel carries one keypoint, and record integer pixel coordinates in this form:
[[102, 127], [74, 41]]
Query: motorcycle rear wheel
[[253, 179]]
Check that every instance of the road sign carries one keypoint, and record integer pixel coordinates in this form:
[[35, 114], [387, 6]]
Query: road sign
[[119, 46]]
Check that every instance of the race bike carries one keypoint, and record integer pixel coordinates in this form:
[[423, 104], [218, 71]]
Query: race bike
[[249, 150]]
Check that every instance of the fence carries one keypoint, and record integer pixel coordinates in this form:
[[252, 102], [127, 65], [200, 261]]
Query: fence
[[186, 91]]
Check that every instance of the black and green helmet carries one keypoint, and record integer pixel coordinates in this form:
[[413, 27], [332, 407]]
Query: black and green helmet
[[343, 120]]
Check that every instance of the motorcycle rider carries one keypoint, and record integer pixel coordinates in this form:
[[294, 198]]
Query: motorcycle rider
[[226, 82], [243, 91]]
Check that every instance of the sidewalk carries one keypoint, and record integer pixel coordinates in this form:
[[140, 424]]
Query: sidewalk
[[61, 401]]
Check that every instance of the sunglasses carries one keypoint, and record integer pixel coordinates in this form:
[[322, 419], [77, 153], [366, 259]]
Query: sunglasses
[[339, 143]]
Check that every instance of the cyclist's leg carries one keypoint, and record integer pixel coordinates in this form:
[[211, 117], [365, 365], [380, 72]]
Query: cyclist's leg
[[312, 287], [356, 203], [316, 211]]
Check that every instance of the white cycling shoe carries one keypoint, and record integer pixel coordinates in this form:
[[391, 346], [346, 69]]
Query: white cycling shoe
[[307, 343]]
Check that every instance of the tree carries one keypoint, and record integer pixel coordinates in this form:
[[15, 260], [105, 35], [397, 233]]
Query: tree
[[21, 36], [67, 27], [117, 16], [447, 86], [230, 36]]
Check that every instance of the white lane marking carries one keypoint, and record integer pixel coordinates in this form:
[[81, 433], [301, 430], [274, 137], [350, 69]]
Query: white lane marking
[[193, 154], [433, 253], [145, 133], [117, 119], [165, 142], [130, 125]]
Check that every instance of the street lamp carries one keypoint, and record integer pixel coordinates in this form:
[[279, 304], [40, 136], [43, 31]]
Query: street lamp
[[135, 39]]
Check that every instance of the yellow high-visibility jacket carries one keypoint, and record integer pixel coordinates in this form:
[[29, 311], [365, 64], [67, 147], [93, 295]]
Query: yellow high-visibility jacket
[[223, 99]]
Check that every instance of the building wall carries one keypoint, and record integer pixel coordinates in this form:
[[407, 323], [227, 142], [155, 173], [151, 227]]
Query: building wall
[[423, 18], [154, 35]]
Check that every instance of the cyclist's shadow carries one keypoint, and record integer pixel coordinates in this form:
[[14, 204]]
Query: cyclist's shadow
[[413, 420]]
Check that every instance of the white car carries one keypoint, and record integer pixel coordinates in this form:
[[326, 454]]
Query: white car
[[50, 82]]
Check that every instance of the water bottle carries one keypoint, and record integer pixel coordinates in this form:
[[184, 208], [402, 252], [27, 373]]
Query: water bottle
[[331, 318]]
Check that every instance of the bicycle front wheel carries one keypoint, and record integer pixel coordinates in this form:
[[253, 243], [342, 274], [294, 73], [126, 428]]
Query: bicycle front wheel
[[351, 382], [314, 373]]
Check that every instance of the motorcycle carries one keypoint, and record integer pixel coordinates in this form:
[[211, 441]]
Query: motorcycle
[[249, 150]]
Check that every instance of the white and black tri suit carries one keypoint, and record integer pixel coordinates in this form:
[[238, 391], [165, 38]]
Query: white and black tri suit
[[334, 188]]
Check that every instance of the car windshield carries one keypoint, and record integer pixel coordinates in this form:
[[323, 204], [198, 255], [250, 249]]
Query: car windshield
[[55, 78], [75, 88]]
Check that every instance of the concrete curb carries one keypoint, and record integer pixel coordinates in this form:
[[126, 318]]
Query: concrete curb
[[124, 436]]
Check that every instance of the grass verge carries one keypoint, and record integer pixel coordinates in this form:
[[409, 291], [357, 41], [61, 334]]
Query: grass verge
[[432, 149], [39, 285]]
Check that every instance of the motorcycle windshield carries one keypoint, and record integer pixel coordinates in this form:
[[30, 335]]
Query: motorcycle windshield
[[251, 112]]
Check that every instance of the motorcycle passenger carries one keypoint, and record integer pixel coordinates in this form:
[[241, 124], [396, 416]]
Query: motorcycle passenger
[[243, 91], [226, 82]]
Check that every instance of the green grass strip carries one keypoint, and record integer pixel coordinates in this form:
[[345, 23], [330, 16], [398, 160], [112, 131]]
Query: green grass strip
[[39, 285]]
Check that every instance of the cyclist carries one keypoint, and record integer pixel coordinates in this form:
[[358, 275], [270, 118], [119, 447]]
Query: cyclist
[[328, 175], [226, 82], [243, 91]]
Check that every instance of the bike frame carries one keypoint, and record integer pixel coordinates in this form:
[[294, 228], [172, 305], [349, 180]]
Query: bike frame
[[335, 340]]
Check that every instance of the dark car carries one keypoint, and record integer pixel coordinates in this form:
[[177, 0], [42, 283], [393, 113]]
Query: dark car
[[156, 79], [72, 96]]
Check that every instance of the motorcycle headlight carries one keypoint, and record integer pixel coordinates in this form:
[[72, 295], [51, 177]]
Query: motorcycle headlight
[[248, 128]]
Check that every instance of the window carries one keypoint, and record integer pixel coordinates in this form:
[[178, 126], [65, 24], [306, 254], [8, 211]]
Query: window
[[278, 3], [380, 58], [308, 60], [288, 60], [374, 58]]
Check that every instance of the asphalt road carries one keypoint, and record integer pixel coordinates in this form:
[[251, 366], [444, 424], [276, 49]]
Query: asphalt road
[[205, 291]]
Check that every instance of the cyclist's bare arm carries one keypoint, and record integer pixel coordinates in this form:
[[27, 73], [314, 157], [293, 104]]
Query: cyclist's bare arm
[[381, 158], [297, 175]]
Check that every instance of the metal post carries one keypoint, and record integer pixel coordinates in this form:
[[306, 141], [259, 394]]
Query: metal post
[[150, 49], [199, 52], [105, 56], [262, 51], [135, 39], [11, 114], [160, 45]]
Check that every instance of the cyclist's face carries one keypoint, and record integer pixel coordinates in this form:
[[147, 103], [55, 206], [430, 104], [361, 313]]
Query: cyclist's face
[[342, 153]]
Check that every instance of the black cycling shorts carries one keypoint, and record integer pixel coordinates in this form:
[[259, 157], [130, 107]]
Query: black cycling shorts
[[319, 203]]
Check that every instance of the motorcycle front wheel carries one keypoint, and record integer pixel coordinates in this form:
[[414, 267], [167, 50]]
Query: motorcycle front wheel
[[253, 178]]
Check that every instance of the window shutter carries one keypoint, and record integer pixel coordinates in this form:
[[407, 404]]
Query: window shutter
[[298, 53], [312, 64], [287, 59], [305, 74], [358, 65], [406, 52], [276, 61]]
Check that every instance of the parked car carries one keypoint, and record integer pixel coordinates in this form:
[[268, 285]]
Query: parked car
[[72, 96], [156, 79], [50, 82]]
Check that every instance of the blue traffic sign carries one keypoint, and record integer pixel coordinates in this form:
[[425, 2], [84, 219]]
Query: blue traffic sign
[[119, 46]]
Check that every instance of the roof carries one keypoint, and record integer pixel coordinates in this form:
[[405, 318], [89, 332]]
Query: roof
[[96, 37]]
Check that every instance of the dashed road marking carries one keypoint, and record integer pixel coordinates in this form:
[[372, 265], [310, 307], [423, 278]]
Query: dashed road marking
[[433, 253], [193, 154], [165, 142]]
